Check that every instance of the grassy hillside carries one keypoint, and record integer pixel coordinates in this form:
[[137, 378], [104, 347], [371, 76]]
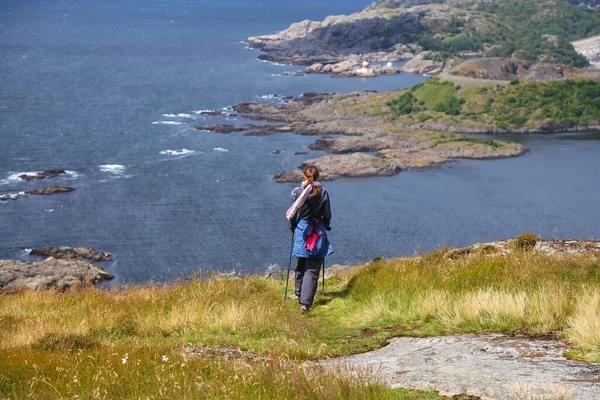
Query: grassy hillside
[[129, 343], [520, 28], [547, 105]]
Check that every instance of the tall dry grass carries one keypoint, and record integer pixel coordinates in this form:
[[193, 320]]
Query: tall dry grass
[[156, 373], [428, 295]]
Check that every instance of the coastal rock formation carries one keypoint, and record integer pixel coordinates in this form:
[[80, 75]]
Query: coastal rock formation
[[76, 253], [51, 173], [430, 63], [43, 192], [347, 165], [376, 33], [352, 68], [51, 190], [555, 248], [506, 69], [49, 274], [359, 123], [220, 128], [251, 129], [265, 130]]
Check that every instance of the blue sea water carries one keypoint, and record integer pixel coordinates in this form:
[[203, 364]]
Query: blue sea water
[[109, 91]]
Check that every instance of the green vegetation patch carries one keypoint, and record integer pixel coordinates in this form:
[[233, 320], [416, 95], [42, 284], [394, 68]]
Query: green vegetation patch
[[550, 105], [525, 29]]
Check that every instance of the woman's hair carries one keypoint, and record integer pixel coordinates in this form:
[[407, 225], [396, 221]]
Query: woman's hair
[[311, 174]]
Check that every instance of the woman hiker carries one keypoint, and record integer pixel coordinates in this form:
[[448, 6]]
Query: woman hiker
[[309, 218]]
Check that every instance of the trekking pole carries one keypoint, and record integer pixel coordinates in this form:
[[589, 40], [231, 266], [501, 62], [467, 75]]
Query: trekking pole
[[289, 267], [323, 275]]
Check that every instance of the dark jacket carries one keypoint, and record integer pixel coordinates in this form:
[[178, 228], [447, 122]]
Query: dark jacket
[[314, 208]]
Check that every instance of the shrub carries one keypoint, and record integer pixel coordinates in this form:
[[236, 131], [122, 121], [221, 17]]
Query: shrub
[[526, 241], [53, 341]]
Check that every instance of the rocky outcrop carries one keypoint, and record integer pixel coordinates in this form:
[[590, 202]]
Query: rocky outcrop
[[76, 253], [51, 190], [360, 127], [347, 165], [266, 130], [468, 366], [40, 192], [351, 69], [430, 63], [49, 274], [223, 129], [51, 173], [250, 129], [506, 69], [378, 5], [555, 248]]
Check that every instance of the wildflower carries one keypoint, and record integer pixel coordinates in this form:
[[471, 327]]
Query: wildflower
[[124, 359], [75, 397], [165, 358], [75, 379], [182, 365]]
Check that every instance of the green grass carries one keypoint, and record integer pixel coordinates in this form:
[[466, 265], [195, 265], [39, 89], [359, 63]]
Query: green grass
[[561, 104], [155, 373], [47, 338]]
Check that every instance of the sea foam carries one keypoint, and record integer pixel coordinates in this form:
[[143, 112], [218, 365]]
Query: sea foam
[[220, 149], [167, 123], [180, 115], [178, 153], [115, 169]]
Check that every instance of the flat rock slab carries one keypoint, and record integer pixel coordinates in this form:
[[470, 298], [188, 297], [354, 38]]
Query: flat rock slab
[[49, 274], [489, 366]]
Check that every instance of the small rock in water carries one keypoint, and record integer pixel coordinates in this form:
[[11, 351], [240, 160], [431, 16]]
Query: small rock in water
[[223, 129], [51, 173], [77, 253], [52, 190]]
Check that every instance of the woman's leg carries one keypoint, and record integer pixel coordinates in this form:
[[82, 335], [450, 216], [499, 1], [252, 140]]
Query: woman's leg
[[310, 280], [300, 268]]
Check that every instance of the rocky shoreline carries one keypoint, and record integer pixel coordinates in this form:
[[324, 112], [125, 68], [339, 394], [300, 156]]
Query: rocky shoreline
[[360, 130]]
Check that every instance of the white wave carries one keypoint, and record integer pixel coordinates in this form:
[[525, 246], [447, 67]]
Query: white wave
[[180, 152], [115, 169], [180, 115], [167, 123], [268, 96], [49, 210], [72, 174], [220, 149], [227, 109], [26, 252], [11, 196], [16, 177]]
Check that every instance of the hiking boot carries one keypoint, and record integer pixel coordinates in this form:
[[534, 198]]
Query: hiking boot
[[304, 308]]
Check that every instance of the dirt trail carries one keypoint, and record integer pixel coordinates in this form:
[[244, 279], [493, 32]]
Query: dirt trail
[[489, 366]]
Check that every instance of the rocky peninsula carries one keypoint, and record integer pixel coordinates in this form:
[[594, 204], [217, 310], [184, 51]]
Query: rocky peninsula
[[436, 36], [366, 141]]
